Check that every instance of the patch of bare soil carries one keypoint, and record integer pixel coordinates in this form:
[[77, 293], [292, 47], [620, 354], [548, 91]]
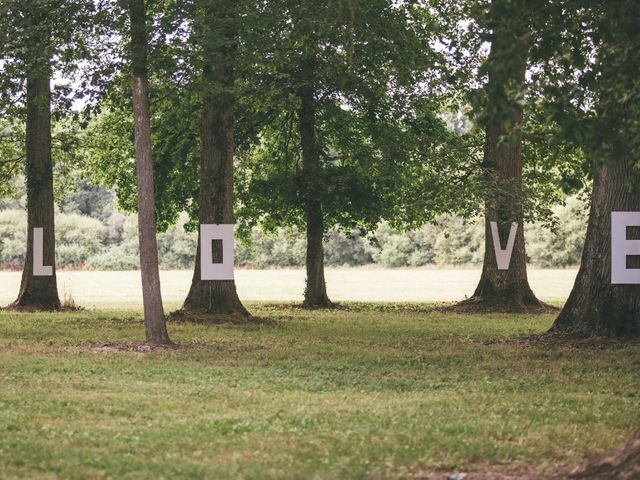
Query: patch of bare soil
[[203, 318], [64, 308], [480, 305], [141, 347]]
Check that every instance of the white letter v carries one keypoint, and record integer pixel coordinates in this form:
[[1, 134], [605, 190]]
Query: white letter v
[[503, 257]]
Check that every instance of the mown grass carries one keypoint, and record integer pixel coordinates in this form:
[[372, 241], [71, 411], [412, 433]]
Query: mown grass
[[380, 391]]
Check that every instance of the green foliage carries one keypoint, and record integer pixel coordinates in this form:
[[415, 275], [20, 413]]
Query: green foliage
[[589, 57], [49, 38], [279, 249], [461, 242], [383, 148]]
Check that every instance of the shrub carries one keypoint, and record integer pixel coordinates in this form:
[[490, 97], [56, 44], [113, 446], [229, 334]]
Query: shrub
[[177, 247], [460, 242], [123, 255], [13, 238], [78, 238], [563, 246]]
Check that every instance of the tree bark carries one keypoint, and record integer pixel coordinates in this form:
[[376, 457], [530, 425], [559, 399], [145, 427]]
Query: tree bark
[[315, 293], [154, 321], [216, 297], [39, 292], [596, 306], [504, 290]]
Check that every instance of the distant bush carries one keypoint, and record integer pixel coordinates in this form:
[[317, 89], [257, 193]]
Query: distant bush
[[13, 238], [123, 255], [78, 239], [341, 249], [177, 248], [410, 249], [460, 242], [282, 249], [109, 241], [563, 246]]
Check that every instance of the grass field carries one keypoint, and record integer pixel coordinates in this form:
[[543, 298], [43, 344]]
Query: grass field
[[371, 390], [123, 290], [368, 391]]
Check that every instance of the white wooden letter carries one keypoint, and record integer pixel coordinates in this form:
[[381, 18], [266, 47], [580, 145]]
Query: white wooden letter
[[503, 257], [208, 269], [621, 248], [40, 270]]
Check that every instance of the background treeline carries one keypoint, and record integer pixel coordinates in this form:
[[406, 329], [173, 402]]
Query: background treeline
[[93, 234]]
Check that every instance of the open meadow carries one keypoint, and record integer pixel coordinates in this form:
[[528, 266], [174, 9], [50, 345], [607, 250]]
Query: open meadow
[[123, 290]]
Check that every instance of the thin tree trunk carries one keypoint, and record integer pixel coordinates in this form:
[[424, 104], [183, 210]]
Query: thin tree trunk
[[154, 321], [595, 305], [315, 293], [40, 292], [504, 290], [216, 297]]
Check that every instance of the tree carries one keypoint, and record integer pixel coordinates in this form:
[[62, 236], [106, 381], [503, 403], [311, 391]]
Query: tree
[[340, 91], [38, 39], [155, 326], [502, 119], [217, 33], [191, 67], [594, 98], [38, 291]]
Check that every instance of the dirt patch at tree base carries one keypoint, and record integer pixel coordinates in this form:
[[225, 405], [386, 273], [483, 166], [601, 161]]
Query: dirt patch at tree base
[[64, 308], [475, 305], [142, 347]]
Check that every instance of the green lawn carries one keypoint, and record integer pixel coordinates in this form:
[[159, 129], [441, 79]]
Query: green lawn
[[380, 391]]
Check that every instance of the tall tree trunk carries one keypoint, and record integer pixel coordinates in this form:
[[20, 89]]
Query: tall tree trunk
[[154, 321], [216, 297], [315, 293], [39, 292], [504, 290], [595, 305]]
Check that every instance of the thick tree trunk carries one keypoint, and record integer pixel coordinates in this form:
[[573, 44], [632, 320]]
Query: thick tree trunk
[[596, 306], [504, 290], [315, 293], [154, 321], [39, 292], [216, 297]]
